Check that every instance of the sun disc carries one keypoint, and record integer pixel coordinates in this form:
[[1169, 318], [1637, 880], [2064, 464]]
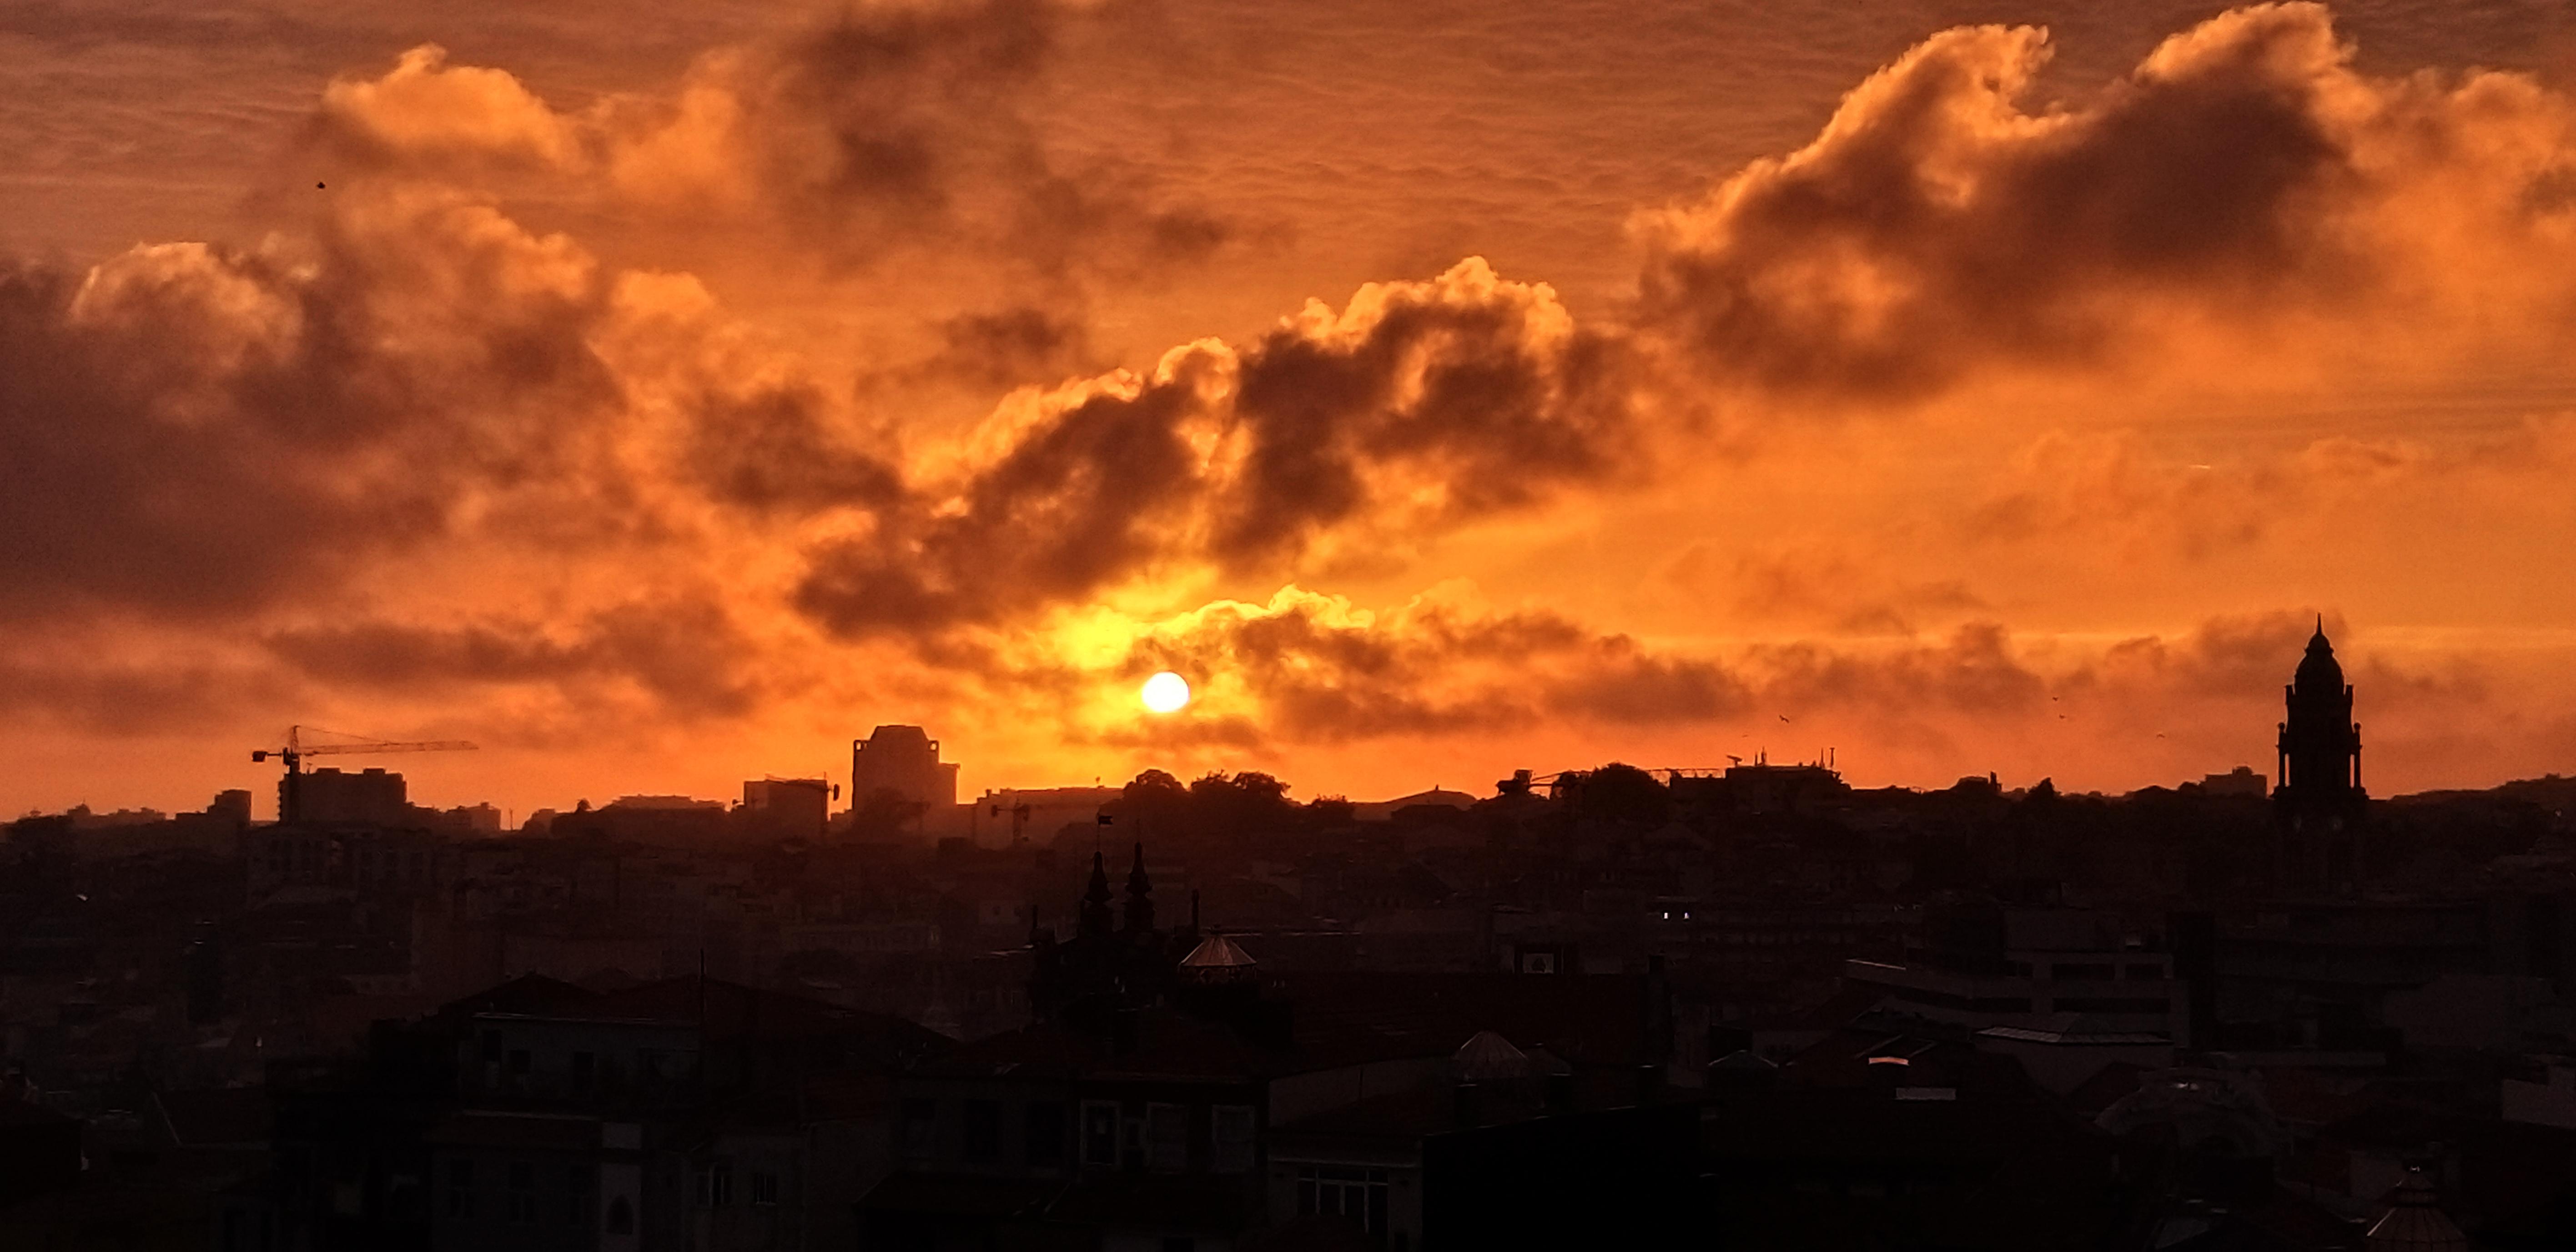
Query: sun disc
[[1166, 692]]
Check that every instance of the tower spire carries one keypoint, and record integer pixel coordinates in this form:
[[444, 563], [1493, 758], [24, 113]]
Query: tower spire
[[1095, 899], [1140, 890], [2319, 804]]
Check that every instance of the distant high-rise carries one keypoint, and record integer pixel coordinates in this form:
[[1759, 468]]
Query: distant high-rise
[[905, 761], [370, 797], [2319, 803]]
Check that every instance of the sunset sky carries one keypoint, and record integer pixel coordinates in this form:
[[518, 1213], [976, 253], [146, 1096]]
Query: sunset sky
[[663, 396]]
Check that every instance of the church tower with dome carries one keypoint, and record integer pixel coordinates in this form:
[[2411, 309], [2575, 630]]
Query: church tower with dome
[[2319, 804]]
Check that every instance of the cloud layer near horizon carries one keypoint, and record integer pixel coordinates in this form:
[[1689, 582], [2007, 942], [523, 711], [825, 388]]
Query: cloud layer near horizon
[[418, 459]]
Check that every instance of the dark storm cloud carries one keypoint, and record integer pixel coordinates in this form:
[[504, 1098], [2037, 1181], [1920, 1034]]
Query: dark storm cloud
[[1008, 347], [775, 450], [76, 689], [688, 655], [1419, 406]]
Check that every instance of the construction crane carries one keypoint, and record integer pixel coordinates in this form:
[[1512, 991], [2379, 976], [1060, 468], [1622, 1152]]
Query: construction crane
[[290, 791]]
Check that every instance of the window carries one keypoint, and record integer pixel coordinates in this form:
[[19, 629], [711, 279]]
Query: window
[[579, 1202], [983, 1144], [585, 1065], [523, 1192], [1099, 1133], [2084, 970], [1231, 1142], [715, 1186], [621, 1217], [1044, 1142], [764, 1188], [1167, 1138], [460, 1188], [920, 1126], [1356, 1195], [2146, 973]]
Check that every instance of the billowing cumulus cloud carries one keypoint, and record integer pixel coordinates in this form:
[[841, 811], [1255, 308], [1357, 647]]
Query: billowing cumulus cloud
[[200, 430], [2244, 173], [451, 448], [192, 428], [888, 128], [1414, 407]]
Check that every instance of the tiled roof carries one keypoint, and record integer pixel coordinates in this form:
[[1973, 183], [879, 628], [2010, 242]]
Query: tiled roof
[[1217, 952]]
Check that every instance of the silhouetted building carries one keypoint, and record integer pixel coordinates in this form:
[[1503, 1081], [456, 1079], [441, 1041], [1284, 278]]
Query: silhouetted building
[[40, 1150], [905, 761], [2240, 781], [2040, 976], [1116, 958], [1013, 815], [2319, 804], [370, 797], [684, 1113], [788, 808]]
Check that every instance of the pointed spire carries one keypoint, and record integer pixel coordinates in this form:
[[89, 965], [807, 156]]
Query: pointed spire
[[1095, 900], [1140, 889]]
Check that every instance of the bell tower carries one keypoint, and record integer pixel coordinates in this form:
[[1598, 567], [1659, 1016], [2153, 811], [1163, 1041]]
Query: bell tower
[[2319, 804]]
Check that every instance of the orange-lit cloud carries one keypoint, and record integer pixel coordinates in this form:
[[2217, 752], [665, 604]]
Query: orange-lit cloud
[[454, 448], [2244, 180]]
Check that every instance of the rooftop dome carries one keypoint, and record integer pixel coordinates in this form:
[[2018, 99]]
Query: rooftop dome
[[2319, 671]]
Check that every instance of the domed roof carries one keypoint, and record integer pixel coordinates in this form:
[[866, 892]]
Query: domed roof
[[2319, 670]]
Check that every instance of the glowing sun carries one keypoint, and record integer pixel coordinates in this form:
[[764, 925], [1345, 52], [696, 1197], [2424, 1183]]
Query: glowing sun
[[1166, 692]]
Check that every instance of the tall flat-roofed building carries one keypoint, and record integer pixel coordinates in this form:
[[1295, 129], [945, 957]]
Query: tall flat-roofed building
[[903, 760], [372, 797]]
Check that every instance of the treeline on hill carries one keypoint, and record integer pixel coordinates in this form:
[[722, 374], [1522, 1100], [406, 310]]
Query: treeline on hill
[[1974, 835]]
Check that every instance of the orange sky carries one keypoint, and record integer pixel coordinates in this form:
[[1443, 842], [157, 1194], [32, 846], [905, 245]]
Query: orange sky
[[664, 403]]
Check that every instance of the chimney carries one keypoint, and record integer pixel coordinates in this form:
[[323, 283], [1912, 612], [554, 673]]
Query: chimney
[[1560, 1094], [1466, 1106]]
